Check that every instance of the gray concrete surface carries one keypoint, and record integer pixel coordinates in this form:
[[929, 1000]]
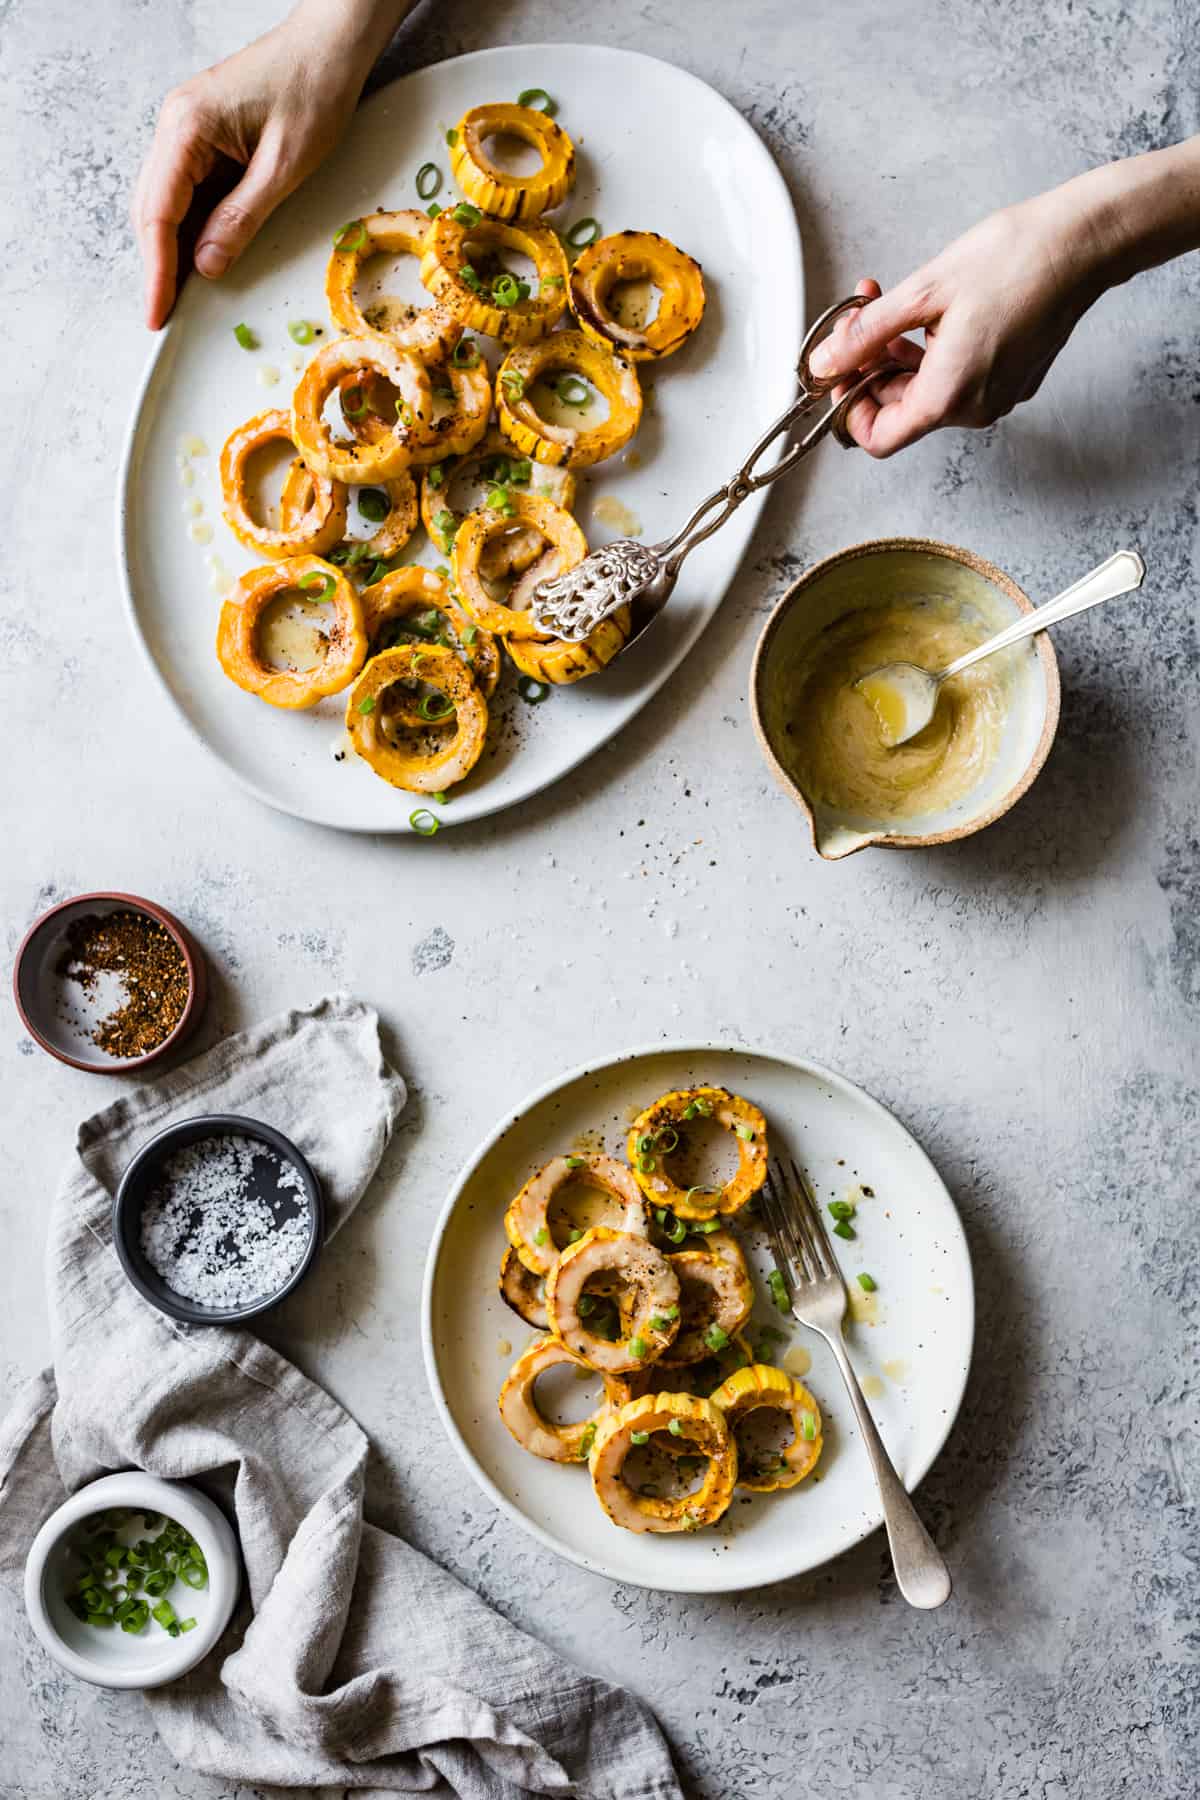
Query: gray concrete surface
[[1026, 1002]]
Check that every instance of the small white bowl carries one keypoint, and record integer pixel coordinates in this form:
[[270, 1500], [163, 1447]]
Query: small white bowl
[[114, 1658]]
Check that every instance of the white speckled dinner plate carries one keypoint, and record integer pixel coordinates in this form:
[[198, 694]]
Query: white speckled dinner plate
[[910, 1341], [657, 149]]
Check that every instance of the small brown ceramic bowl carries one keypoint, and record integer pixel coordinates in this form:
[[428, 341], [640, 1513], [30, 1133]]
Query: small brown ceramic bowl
[[60, 1016], [880, 572]]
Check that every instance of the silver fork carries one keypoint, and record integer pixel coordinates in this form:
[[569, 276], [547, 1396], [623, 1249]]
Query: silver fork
[[805, 1259]]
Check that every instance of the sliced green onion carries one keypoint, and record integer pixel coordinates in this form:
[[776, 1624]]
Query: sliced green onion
[[867, 1283], [841, 1209], [435, 474], [673, 1229], [571, 391], [532, 690], [374, 504], [423, 822], [521, 472], [466, 354], [746, 1133], [434, 707], [709, 1191], [505, 290], [318, 584], [429, 180], [539, 100], [187, 1624], [844, 1230], [582, 233], [164, 1613], [646, 1164], [442, 799], [638, 1347], [452, 136], [245, 337], [471, 278], [716, 1338], [673, 1312], [469, 635], [574, 1235], [158, 1581], [585, 1306], [351, 236], [666, 1140], [513, 383], [639, 1437], [779, 1293], [675, 1428], [586, 1442], [301, 332], [645, 1142], [552, 281], [376, 572], [808, 1426], [541, 1236], [704, 1226], [576, 1162], [466, 214], [358, 408], [660, 1322]]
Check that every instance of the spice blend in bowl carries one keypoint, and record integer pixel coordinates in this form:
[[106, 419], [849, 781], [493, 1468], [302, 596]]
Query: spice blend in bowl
[[217, 1219], [108, 982]]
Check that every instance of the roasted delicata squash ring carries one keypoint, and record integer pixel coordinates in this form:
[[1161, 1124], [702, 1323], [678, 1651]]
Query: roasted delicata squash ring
[[306, 530], [238, 649], [639, 1278], [655, 1137], [462, 406], [527, 1221], [715, 1300], [395, 531], [568, 353], [761, 1385], [566, 546], [637, 256], [449, 752], [492, 189], [433, 332], [450, 274], [529, 1425], [379, 460], [491, 461], [701, 1429], [559, 661], [523, 1291], [408, 594]]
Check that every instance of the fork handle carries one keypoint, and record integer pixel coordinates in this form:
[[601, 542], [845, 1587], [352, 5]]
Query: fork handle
[[921, 1575]]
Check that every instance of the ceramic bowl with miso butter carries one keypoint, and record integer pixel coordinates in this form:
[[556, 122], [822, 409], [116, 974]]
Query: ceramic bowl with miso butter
[[901, 600]]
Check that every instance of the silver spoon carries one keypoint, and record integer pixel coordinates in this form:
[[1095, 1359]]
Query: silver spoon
[[905, 696], [643, 576]]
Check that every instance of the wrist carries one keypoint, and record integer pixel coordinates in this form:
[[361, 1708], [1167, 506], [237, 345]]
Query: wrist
[[350, 35], [1139, 212]]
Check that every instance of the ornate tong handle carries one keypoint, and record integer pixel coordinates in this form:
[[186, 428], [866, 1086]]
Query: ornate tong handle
[[712, 513]]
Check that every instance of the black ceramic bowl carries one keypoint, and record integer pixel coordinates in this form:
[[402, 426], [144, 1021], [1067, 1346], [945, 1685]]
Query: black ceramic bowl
[[140, 1180]]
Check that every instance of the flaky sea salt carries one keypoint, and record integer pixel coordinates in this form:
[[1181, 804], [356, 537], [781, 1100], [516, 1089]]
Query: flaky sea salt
[[209, 1230]]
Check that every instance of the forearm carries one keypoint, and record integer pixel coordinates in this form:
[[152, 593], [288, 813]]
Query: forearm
[[357, 31], [1139, 212]]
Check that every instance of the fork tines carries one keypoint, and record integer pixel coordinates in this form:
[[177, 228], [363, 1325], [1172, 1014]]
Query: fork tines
[[797, 1230]]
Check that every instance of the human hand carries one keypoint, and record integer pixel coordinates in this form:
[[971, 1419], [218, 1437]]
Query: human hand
[[996, 307], [277, 108]]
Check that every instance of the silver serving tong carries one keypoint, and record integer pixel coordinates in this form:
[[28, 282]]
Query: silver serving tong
[[642, 576]]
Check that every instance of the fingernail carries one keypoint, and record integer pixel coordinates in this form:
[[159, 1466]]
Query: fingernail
[[821, 360], [211, 260]]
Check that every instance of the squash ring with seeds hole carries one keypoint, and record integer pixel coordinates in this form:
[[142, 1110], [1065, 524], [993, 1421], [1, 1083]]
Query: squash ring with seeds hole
[[763, 1385], [530, 1426], [395, 530], [450, 275], [447, 756], [702, 1430], [527, 1220], [654, 1138], [406, 594], [494, 190], [638, 256], [238, 649], [398, 445], [303, 530], [641, 1281], [716, 1296], [433, 332], [569, 354], [565, 547]]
